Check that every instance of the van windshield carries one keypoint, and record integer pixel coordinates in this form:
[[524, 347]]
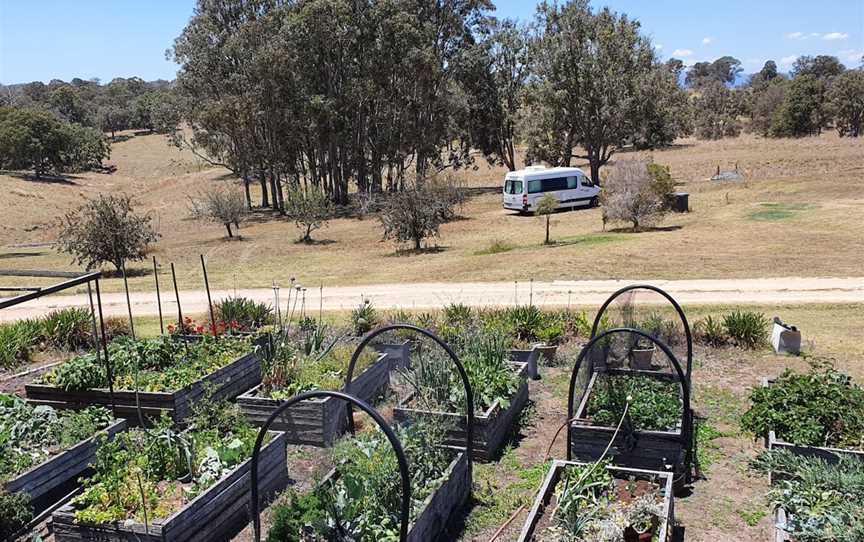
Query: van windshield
[[512, 187]]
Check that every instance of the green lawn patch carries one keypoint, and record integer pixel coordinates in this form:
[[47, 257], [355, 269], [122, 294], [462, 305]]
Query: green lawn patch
[[773, 212]]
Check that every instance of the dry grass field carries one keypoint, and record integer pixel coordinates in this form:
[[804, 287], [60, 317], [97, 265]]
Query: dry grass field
[[799, 212]]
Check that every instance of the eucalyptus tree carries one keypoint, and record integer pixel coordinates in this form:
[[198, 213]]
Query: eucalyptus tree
[[593, 74]]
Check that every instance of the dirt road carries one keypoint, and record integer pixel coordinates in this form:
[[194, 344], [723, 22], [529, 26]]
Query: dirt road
[[792, 290]]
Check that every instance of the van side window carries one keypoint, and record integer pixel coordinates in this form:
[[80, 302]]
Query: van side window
[[571, 182], [586, 181], [535, 187], [513, 187]]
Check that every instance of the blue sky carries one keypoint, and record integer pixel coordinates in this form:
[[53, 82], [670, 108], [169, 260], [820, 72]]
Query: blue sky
[[45, 39]]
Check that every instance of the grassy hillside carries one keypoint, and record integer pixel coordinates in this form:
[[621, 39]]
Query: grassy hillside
[[799, 212]]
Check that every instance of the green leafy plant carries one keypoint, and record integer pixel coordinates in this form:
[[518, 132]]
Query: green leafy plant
[[363, 502], [153, 474], [32, 434], [747, 329], [15, 512], [822, 407], [247, 313], [711, 331], [823, 500], [654, 404], [160, 364]]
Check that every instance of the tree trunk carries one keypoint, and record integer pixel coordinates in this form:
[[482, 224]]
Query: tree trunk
[[547, 230], [265, 201], [228, 227], [417, 241], [248, 193], [595, 170]]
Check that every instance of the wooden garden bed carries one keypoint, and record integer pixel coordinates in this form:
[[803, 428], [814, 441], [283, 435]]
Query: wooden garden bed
[[398, 353], [547, 491], [61, 469], [226, 382], [219, 513], [531, 358], [651, 450], [439, 508], [490, 428], [318, 422]]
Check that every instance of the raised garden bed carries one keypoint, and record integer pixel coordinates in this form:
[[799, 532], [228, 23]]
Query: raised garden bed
[[227, 382], [62, 468], [218, 513], [318, 422], [649, 449], [398, 353], [531, 358], [539, 518], [491, 427]]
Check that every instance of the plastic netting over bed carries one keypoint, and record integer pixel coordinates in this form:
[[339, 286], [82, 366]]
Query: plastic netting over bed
[[654, 311], [629, 402]]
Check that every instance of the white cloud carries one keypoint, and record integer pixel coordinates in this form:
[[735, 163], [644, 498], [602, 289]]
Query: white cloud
[[850, 55], [787, 61], [658, 46], [682, 52], [796, 36], [815, 34], [707, 40], [835, 36]]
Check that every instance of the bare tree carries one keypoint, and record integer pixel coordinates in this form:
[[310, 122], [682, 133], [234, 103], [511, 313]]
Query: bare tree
[[222, 206], [629, 195]]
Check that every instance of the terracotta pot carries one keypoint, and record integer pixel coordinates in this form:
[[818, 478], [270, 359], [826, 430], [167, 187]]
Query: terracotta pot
[[640, 358]]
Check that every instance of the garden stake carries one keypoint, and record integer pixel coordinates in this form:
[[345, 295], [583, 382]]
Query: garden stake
[[177, 295], [516, 293], [531, 292], [128, 302], [158, 297], [93, 318], [108, 371], [320, 303], [209, 300], [143, 502]]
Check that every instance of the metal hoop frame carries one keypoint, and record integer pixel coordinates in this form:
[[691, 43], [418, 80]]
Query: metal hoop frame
[[469, 394], [686, 421], [382, 423], [669, 298]]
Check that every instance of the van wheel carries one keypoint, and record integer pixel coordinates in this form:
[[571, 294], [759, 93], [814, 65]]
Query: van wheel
[[594, 202]]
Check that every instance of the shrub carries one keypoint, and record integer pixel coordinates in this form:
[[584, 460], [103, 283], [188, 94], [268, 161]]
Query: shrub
[[661, 182], [711, 331], [68, 329], [629, 195], [247, 313], [221, 206], [15, 512], [416, 214], [106, 229], [310, 209], [747, 329], [822, 407]]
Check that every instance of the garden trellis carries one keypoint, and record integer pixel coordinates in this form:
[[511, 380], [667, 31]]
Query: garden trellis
[[640, 306], [627, 378]]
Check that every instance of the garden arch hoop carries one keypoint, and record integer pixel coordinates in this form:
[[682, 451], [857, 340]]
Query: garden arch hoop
[[382, 423], [469, 395], [686, 413], [687, 333]]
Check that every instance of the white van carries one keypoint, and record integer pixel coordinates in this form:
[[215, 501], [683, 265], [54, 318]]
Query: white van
[[570, 186]]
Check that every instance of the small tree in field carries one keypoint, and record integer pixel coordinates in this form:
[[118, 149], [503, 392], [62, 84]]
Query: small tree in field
[[416, 214], [545, 207], [106, 229], [630, 195], [226, 207], [310, 209]]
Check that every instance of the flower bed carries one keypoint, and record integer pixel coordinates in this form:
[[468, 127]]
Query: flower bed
[[819, 413], [491, 426], [42, 452], [654, 442], [318, 422], [363, 497], [173, 486], [578, 499], [174, 376]]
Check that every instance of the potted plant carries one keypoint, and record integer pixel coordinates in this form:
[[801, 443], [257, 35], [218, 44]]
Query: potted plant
[[642, 355]]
